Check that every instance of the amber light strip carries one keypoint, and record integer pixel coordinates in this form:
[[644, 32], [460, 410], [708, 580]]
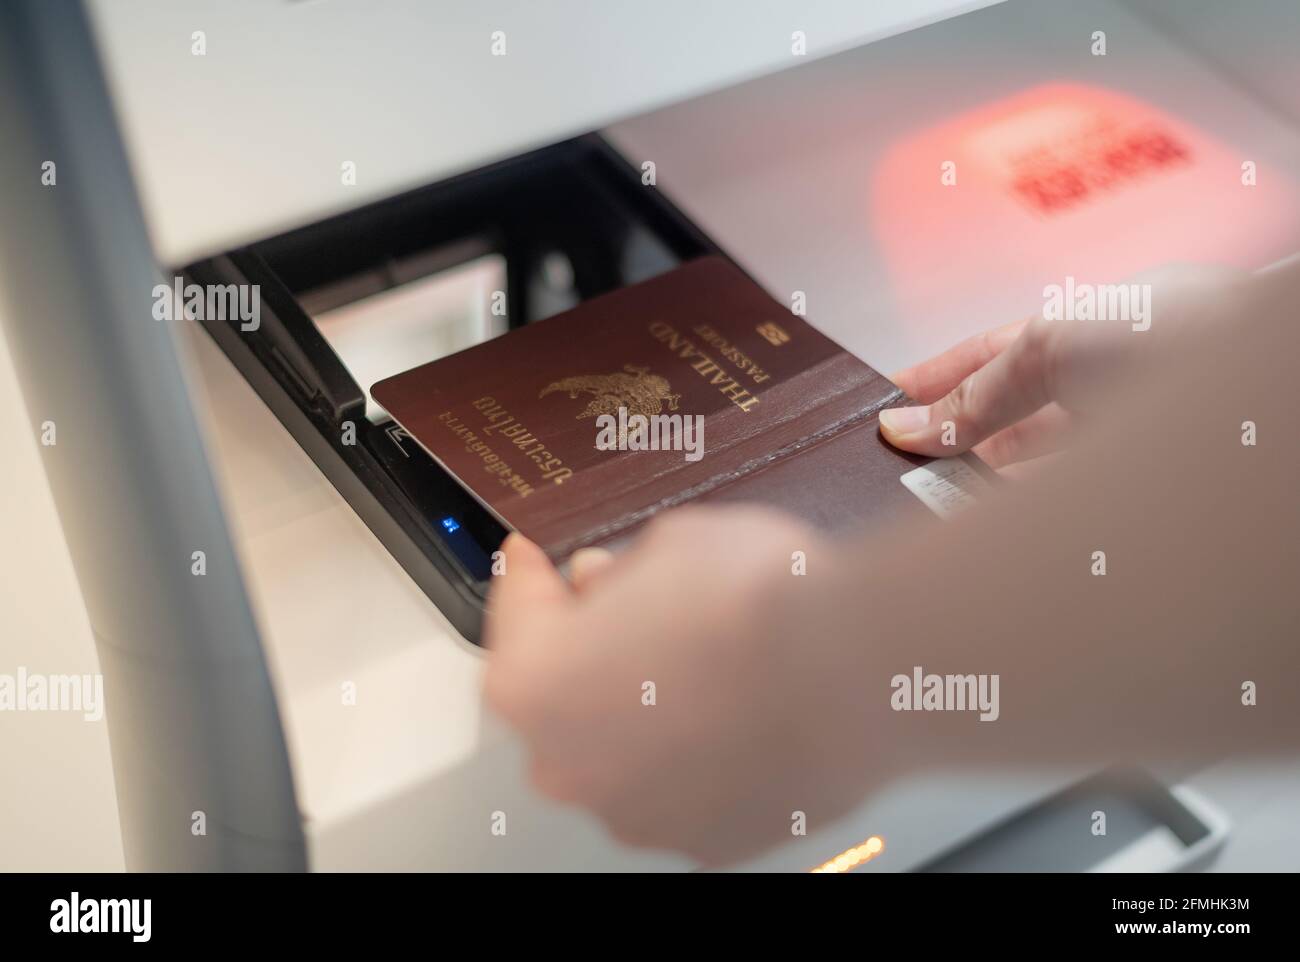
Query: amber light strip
[[851, 858]]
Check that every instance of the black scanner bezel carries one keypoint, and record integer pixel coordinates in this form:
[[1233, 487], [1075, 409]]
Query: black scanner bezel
[[579, 196]]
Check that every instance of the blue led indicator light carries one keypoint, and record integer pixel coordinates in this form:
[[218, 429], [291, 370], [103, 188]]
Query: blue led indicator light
[[450, 525]]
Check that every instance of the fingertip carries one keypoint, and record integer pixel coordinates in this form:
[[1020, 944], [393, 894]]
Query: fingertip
[[587, 564], [516, 547], [525, 586], [903, 380], [525, 557], [910, 429], [900, 425]]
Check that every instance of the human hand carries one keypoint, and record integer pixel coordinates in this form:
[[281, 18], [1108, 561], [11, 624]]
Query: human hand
[[700, 608], [1015, 393]]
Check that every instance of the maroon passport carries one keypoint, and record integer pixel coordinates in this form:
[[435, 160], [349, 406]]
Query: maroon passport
[[692, 386]]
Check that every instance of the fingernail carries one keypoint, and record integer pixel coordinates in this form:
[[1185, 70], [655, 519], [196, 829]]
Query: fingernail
[[902, 421], [586, 563], [593, 557]]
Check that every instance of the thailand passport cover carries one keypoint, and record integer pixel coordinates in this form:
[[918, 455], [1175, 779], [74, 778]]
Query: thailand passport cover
[[693, 386]]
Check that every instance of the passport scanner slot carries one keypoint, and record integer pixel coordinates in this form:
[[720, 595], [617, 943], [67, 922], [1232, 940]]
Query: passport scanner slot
[[373, 292]]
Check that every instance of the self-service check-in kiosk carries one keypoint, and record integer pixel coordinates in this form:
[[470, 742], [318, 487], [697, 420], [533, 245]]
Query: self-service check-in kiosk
[[399, 182]]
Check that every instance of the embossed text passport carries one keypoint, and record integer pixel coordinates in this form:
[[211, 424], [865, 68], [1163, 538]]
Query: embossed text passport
[[693, 386]]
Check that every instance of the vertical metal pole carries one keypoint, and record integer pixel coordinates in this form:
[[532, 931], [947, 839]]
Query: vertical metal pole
[[193, 725]]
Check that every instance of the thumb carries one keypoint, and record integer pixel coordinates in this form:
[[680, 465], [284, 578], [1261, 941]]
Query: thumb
[[1009, 388], [528, 588]]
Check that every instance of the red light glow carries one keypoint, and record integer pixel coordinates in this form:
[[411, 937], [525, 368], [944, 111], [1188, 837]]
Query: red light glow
[[1064, 180]]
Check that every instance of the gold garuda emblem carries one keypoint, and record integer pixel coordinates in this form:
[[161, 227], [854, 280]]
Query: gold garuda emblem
[[634, 388]]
